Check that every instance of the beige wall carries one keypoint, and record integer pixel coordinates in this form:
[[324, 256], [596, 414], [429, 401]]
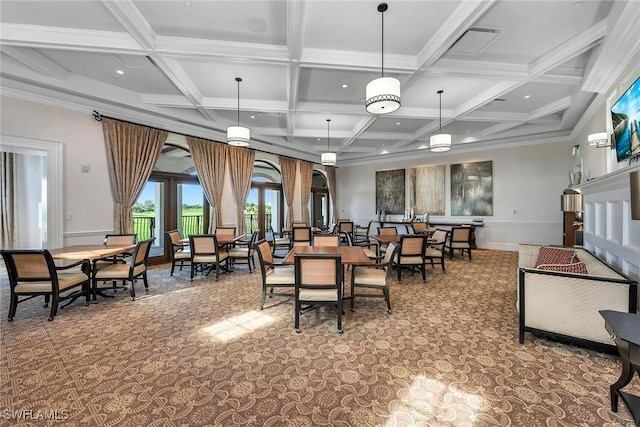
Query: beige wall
[[88, 206]]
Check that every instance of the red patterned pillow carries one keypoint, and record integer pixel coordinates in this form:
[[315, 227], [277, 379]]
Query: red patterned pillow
[[551, 255], [576, 267]]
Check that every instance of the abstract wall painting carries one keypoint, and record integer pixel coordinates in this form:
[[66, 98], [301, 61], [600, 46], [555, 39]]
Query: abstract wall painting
[[390, 191], [427, 189], [472, 189]]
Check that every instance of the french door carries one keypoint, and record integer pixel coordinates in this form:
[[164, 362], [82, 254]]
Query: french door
[[264, 208], [169, 201]]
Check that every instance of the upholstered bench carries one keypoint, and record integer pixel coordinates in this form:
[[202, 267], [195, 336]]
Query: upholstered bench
[[561, 291]]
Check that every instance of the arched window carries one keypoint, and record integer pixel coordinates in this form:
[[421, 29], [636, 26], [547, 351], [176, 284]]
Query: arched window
[[172, 199]]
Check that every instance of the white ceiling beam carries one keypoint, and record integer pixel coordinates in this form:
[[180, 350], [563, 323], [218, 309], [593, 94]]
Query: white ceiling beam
[[570, 49], [619, 47], [128, 15], [465, 15], [36, 61], [38, 36], [295, 41]]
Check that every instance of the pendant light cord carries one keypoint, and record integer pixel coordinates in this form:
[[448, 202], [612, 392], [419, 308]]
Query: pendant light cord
[[328, 120], [382, 13], [238, 79], [440, 93]]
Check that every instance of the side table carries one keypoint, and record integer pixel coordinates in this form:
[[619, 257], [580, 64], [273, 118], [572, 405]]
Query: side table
[[625, 332]]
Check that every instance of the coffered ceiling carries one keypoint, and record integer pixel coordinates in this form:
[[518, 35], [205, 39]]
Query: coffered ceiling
[[512, 71]]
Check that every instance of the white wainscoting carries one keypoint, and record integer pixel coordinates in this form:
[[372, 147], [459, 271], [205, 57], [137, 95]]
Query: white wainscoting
[[609, 231]]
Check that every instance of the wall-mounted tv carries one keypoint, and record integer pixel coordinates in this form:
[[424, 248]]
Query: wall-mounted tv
[[625, 117]]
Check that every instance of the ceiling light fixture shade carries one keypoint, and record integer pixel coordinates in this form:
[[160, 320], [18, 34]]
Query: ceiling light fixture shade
[[441, 141], [599, 140], [328, 158], [237, 135], [382, 95]]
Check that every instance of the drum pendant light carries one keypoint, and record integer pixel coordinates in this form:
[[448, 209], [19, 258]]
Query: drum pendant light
[[382, 95], [237, 135], [441, 141], [328, 158]]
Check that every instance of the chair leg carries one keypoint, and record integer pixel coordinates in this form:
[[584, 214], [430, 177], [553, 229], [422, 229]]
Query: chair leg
[[387, 299], [173, 265], [264, 296], [340, 316], [55, 299], [145, 281], [192, 267], [46, 301], [13, 304], [87, 291], [132, 291], [424, 273], [352, 289], [297, 317]]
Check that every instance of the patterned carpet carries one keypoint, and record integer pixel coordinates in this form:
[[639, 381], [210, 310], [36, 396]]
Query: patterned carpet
[[202, 353]]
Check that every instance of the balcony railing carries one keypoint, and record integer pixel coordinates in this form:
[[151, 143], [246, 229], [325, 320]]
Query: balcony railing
[[145, 226]]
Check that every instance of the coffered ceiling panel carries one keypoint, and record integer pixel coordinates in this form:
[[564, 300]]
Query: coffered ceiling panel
[[304, 61]]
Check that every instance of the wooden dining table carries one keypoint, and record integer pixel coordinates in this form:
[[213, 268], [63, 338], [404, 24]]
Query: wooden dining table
[[385, 239], [222, 241], [89, 253], [352, 255]]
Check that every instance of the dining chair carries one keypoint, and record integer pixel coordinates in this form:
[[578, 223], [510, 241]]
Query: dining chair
[[297, 224], [376, 277], [115, 239], [326, 240], [179, 252], [301, 236], [33, 273], [411, 254], [318, 281], [243, 251], [460, 240], [345, 227], [205, 251], [435, 251], [134, 269], [273, 275], [420, 227], [225, 233], [387, 232], [279, 241]]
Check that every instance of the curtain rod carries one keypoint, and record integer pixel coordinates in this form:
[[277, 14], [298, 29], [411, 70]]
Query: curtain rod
[[98, 117]]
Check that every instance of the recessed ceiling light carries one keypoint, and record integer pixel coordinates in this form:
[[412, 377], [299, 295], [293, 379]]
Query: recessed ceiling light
[[397, 123], [119, 71], [188, 4], [345, 86], [527, 96], [317, 139], [253, 117], [384, 152], [577, 4]]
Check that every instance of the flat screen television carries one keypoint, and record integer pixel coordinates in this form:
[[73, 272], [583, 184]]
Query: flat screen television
[[625, 117]]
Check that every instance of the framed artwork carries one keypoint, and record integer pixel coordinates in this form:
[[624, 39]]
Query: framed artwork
[[390, 191], [472, 188], [426, 190]]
